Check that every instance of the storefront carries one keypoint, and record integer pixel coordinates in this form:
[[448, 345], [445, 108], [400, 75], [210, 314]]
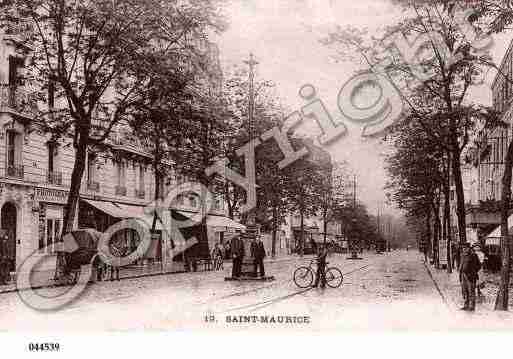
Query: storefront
[[220, 230], [31, 220], [100, 215]]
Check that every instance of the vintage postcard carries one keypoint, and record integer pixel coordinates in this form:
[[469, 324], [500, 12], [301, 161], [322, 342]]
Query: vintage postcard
[[247, 165]]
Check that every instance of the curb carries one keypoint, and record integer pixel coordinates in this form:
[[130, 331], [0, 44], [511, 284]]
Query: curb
[[13, 290], [439, 290]]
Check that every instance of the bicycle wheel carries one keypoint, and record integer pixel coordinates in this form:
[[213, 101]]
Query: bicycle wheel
[[303, 277], [334, 277]]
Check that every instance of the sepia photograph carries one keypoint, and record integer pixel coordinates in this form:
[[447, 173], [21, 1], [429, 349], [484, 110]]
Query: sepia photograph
[[256, 166]]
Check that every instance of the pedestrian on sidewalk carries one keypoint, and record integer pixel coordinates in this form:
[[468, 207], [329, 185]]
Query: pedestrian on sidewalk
[[469, 267], [480, 278], [258, 255], [217, 257], [237, 246], [455, 256], [321, 266]]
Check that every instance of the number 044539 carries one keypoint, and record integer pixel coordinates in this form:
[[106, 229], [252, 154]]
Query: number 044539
[[43, 347]]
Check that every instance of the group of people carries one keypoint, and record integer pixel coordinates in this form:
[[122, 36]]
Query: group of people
[[257, 252], [217, 256]]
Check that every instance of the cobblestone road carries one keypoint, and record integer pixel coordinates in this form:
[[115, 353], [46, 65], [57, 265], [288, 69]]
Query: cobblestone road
[[389, 291]]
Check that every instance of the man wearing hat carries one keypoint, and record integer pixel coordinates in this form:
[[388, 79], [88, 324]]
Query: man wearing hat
[[469, 267], [481, 256]]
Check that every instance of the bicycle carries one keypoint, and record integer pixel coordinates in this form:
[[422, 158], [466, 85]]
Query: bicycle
[[304, 276]]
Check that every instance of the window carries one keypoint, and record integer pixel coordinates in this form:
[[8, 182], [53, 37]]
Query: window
[[91, 168], [13, 154], [52, 156], [11, 148], [121, 173], [141, 178], [53, 229], [217, 204], [193, 202], [53, 176]]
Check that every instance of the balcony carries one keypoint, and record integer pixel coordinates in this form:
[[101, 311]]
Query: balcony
[[18, 99], [54, 177], [120, 190], [140, 193], [15, 171], [18, 31], [93, 186]]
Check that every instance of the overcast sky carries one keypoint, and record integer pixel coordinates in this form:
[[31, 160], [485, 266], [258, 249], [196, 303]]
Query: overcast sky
[[284, 36]]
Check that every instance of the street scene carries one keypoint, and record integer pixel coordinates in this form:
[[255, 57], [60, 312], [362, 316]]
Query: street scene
[[230, 165], [392, 291]]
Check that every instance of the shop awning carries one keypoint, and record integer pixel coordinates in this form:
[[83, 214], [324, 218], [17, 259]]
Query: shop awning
[[495, 236], [124, 211], [221, 221], [218, 221], [109, 208]]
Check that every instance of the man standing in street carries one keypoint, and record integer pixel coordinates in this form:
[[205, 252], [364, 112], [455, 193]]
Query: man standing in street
[[258, 255], [469, 267], [321, 266], [237, 255]]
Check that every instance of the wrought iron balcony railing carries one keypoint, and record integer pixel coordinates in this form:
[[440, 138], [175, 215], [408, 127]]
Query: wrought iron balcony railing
[[19, 99], [16, 171], [120, 191], [54, 177]]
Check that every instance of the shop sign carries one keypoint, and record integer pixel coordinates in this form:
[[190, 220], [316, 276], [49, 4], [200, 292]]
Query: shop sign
[[50, 195]]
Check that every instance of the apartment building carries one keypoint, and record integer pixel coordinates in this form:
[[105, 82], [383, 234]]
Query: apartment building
[[489, 153], [35, 175]]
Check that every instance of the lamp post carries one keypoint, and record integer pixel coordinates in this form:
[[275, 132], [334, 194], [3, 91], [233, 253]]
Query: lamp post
[[354, 252]]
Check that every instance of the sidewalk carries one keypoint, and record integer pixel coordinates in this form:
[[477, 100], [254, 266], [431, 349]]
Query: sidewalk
[[42, 279], [450, 288]]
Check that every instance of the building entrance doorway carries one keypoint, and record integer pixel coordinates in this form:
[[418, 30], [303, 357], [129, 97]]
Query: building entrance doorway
[[8, 223]]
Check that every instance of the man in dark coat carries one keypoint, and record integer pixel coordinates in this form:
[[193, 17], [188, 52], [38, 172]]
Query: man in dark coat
[[321, 266], [469, 266], [237, 255], [258, 255]]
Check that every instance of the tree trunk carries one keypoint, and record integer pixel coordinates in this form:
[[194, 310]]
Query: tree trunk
[[301, 233], [460, 195], [275, 228], [427, 246], [436, 231], [74, 195], [325, 224], [501, 302], [76, 182], [158, 179], [447, 214], [203, 247]]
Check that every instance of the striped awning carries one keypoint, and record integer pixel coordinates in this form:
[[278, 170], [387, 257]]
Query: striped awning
[[217, 221]]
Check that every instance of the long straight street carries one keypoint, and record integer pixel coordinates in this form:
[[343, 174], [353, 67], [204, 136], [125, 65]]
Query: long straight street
[[389, 291]]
